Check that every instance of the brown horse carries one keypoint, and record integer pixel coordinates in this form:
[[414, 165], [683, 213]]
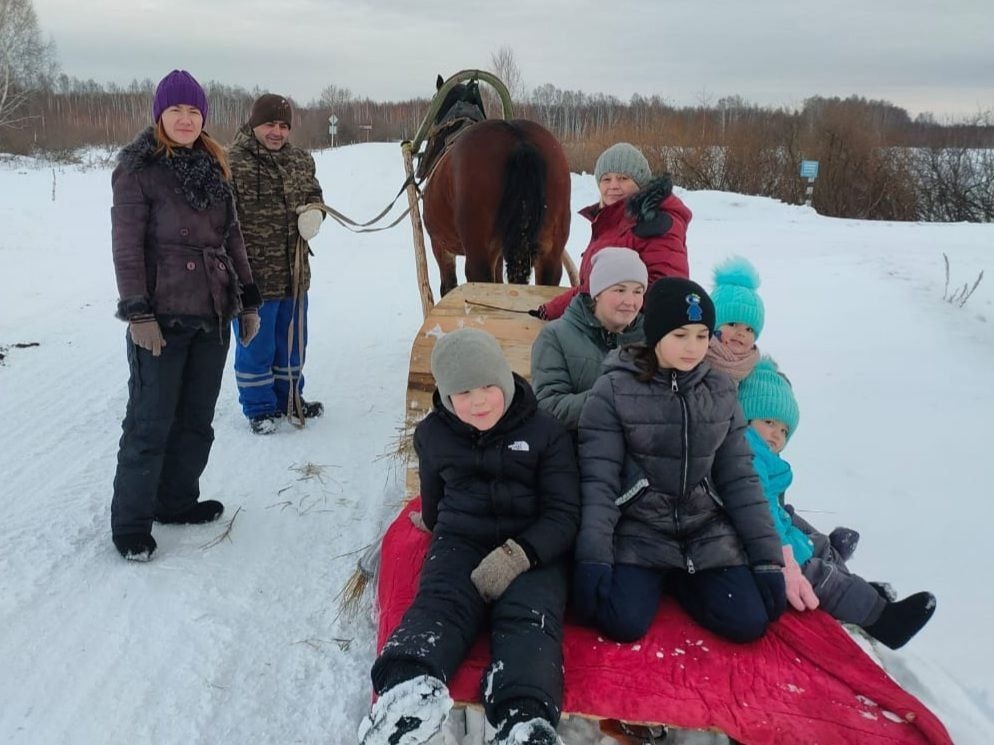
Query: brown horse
[[500, 193]]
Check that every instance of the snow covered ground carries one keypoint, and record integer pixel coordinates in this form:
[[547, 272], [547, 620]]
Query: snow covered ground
[[240, 642]]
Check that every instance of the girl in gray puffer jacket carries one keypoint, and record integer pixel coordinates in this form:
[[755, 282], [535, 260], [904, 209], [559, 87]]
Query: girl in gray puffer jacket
[[670, 498]]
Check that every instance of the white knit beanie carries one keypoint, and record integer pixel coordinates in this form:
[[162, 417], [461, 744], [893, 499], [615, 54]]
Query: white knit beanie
[[614, 265], [469, 358]]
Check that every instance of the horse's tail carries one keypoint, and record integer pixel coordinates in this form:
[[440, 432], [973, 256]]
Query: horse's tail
[[521, 209]]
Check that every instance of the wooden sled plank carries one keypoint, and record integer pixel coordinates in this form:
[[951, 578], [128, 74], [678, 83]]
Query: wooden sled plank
[[499, 309]]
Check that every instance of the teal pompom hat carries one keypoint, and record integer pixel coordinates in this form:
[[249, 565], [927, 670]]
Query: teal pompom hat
[[766, 393], [734, 294]]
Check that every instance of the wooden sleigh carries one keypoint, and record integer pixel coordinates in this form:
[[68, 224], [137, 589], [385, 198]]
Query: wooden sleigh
[[805, 681]]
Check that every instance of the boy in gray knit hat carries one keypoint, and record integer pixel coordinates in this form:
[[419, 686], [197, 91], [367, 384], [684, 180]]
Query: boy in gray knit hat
[[500, 494]]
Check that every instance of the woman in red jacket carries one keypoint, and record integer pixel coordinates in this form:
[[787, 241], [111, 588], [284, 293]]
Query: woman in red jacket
[[635, 211]]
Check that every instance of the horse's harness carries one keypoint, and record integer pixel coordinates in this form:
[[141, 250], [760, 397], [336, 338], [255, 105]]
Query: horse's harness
[[444, 133]]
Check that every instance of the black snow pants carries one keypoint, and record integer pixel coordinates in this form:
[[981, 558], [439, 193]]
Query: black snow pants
[[525, 624], [167, 434]]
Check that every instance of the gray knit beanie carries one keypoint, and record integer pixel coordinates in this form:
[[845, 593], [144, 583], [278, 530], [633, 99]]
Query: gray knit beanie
[[469, 358], [624, 159], [615, 265]]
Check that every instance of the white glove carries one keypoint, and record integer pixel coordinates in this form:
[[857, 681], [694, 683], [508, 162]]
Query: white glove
[[309, 223]]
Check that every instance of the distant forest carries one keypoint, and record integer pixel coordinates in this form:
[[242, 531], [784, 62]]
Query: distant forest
[[876, 162]]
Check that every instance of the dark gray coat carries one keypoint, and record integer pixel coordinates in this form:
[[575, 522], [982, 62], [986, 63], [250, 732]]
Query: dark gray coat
[[699, 504], [567, 357], [178, 250]]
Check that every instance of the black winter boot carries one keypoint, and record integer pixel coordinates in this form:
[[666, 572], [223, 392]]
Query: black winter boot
[[311, 409], [410, 713], [514, 714], [202, 512], [902, 620], [135, 546], [265, 424], [844, 541]]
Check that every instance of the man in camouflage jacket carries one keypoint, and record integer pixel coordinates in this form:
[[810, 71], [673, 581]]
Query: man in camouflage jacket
[[273, 181]]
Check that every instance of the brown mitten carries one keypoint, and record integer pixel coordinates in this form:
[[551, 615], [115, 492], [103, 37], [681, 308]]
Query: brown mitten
[[248, 326], [498, 569], [145, 333]]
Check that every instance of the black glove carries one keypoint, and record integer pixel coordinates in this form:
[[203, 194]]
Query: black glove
[[772, 589], [538, 312], [591, 583]]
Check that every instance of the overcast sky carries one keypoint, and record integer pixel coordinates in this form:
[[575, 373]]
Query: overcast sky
[[923, 56]]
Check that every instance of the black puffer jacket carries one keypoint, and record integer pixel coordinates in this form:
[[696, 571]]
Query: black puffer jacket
[[517, 480], [675, 447]]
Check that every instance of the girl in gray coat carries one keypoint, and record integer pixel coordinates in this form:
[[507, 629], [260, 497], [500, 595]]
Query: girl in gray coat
[[182, 275], [671, 502], [568, 354]]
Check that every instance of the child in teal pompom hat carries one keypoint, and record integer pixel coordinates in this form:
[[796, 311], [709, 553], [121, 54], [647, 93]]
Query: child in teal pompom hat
[[816, 573], [739, 316]]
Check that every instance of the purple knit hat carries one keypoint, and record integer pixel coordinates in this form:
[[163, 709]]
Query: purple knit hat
[[178, 87]]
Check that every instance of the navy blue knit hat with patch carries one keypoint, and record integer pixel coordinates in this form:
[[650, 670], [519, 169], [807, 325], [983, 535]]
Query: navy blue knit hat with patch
[[673, 302]]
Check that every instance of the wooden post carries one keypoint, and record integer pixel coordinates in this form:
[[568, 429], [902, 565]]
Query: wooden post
[[420, 262], [574, 276]]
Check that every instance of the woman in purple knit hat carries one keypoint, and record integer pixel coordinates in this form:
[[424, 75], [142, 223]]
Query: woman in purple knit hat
[[182, 275]]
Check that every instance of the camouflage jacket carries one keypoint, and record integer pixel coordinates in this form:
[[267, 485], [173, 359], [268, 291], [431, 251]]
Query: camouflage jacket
[[269, 186]]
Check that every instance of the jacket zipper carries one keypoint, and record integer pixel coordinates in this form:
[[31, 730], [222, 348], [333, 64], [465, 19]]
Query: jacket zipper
[[684, 465]]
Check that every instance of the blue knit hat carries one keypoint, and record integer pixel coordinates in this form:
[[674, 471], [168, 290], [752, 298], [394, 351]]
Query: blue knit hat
[[176, 89], [766, 393], [734, 294]]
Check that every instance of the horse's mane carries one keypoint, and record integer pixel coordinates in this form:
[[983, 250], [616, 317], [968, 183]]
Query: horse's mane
[[468, 93]]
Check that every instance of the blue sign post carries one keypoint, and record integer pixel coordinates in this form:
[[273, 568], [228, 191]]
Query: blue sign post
[[809, 170]]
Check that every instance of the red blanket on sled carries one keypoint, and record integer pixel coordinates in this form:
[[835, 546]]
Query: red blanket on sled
[[805, 681]]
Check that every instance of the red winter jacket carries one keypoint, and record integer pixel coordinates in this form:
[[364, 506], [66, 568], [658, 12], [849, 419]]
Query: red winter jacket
[[652, 222]]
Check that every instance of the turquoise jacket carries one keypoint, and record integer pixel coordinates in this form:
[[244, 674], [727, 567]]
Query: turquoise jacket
[[775, 475]]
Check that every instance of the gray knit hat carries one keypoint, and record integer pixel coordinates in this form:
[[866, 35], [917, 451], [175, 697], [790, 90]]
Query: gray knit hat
[[469, 358], [624, 159], [614, 265]]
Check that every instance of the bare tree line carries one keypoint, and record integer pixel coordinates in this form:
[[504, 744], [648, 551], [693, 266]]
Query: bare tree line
[[875, 161]]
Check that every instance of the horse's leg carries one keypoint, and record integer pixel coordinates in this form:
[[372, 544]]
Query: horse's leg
[[446, 270]]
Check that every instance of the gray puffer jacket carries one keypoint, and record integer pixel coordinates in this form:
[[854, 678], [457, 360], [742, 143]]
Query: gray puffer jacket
[[673, 451], [568, 355]]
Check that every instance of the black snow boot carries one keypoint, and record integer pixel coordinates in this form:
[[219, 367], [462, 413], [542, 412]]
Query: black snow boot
[[844, 542], [520, 716], [902, 620], [202, 512], [265, 424], [135, 546], [311, 409], [409, 713]]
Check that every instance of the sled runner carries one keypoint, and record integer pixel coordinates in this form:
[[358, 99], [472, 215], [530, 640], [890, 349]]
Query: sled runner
[[805, 681]]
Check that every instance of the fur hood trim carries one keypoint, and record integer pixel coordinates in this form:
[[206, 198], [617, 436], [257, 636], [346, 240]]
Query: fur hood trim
[[644, 204]]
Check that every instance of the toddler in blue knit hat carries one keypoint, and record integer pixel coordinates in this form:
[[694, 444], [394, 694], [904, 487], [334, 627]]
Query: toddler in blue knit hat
[[739, 316], [816, 573]]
